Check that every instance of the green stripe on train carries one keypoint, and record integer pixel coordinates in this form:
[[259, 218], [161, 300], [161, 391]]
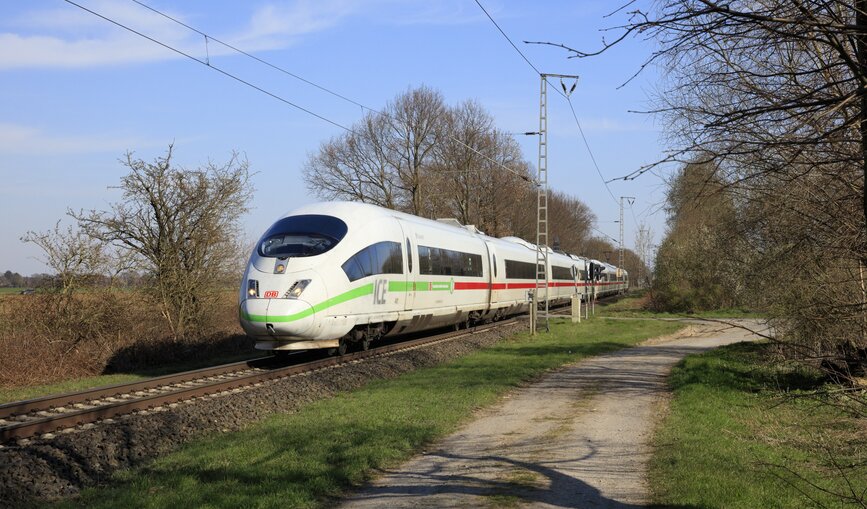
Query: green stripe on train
[[361, 291]]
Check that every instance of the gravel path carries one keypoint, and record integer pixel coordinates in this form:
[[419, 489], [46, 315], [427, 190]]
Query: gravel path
[[577, 438]]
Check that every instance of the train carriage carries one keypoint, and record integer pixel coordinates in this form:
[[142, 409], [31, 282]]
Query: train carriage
[[330, 274]]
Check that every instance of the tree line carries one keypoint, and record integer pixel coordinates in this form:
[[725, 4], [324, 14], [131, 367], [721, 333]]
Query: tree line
[[422, 156], [765, 106]]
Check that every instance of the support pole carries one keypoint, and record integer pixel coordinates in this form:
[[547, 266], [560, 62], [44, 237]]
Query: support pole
[[620, 258], [542, 204], [533, 312], [542, 267]]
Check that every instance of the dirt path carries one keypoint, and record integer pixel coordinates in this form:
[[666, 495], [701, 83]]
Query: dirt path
[[577, 438]]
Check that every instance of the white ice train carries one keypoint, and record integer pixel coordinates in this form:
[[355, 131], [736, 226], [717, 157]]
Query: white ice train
[[330, 274]]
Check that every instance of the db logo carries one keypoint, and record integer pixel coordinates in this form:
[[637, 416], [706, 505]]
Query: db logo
[[271, 294]]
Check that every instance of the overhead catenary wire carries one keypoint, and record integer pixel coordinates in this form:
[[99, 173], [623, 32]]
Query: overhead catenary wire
[[632, 210], [597, 230], [586, 144], [563, 94], [207, 63], [250, 55], [507, 38]]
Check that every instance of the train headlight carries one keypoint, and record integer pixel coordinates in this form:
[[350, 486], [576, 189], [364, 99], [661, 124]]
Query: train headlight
[[297, 287], [252, 288], [280, 267]]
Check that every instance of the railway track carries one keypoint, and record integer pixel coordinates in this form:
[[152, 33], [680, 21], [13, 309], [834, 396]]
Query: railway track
[[50, 414], [43, 416]]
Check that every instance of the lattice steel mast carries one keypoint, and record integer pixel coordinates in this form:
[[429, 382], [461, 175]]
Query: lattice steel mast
[[542, 283]]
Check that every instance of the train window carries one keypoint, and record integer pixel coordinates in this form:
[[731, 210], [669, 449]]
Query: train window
[[408, 256], [445, 262], [495, 265], [561, 273], [521, 270], [379, 258], [304, 235]]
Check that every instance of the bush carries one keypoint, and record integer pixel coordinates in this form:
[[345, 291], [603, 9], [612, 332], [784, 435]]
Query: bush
[[49, 336]]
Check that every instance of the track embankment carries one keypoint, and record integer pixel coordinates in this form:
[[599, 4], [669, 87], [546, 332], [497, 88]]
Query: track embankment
[[61, 466]]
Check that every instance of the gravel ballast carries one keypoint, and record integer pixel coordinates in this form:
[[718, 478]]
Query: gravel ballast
[[48, 469]]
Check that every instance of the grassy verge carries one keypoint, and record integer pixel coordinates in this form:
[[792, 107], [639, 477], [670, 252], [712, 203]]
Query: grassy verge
[[10, 291], [77, 384], [738, 437], [306, 458], [634, 306]]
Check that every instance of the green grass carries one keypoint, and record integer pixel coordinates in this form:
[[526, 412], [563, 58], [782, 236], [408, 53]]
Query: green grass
[[78, 384], [733, 441], [307, 458], [10, 291]]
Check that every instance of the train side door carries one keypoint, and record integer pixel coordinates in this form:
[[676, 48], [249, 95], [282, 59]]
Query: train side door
[[410, 266], [492, 274]]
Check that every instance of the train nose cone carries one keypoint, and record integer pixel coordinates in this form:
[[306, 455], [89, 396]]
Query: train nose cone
[[290, 317], [276, 317], [254, 316]]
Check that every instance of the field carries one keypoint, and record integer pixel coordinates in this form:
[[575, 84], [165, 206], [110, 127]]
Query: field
[[635, 305], [743, 433], [307, 458]]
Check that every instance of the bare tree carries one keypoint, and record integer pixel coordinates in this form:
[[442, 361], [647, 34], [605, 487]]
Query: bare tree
[[643, 246], [74, 256], [506, 198], [773, 93], [355, 166], [416, 124], [423, 157], [459, 158], [570, 221], [386, 158], [182, 226]]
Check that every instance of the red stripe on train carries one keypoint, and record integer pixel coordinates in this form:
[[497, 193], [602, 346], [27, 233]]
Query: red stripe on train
[[521, 286]]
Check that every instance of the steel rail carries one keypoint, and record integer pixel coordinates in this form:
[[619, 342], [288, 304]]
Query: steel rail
[[72, 398], [52, 423]]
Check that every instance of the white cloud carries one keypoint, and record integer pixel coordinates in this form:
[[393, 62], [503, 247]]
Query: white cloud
[[19, 139], [72, 38], [71, 20], [45, 51], [69, 37]]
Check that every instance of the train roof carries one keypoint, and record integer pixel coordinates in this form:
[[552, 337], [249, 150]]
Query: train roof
[[356, 213]]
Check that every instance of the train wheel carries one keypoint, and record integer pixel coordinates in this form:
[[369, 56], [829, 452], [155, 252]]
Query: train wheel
[[365, 344], [342, 348]]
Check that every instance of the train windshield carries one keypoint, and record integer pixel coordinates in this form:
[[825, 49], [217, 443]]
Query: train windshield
[[305, 235]]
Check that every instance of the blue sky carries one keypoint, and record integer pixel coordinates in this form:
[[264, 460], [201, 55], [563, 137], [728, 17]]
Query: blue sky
[[79, 92]]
